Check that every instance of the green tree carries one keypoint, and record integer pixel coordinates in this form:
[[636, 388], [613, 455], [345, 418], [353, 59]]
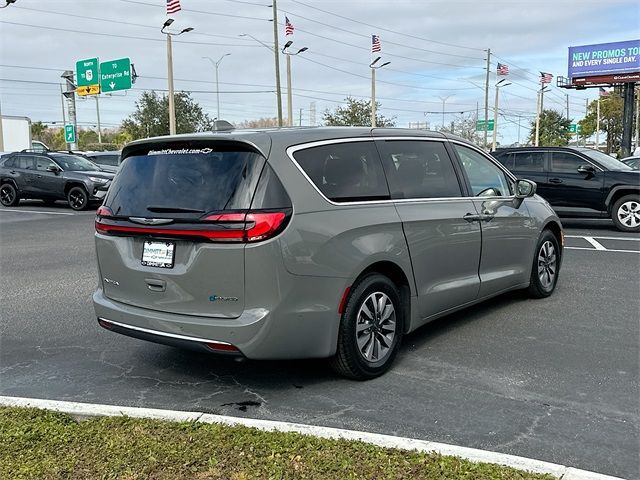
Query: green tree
[[554, 129], [151, 117], [611, 108], [356, 113], [38, 130]]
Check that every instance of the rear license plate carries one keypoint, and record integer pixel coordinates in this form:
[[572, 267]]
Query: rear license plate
[[158, 254]]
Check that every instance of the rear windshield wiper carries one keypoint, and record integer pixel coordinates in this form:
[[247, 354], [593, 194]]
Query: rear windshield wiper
[[160, 209]]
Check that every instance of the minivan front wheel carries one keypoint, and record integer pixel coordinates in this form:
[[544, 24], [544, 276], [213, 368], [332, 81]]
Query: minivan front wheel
[[546, 266], [370, 330], [626, 213]]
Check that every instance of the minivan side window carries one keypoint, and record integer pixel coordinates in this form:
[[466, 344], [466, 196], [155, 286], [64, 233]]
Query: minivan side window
[[528, 161], [486, 178], [565, 162], [418, 169], [345, 172]]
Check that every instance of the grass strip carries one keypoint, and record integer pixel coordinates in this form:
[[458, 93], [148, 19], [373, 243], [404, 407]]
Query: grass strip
[[40, 444]]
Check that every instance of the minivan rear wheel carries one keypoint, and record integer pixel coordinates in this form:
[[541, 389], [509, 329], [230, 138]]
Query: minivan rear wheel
[[371, 329], [546, 266]]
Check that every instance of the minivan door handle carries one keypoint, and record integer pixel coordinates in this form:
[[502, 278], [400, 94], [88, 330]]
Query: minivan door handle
[[156, 285], [555, 180], [472, 217]]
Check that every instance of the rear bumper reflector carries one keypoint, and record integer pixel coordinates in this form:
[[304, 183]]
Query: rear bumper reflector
[[215, 345]]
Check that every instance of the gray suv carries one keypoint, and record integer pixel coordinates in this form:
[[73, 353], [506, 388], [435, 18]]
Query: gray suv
[[317, 242]]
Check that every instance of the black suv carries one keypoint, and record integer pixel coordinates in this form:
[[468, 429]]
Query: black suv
[[579, 182], [52, 176]]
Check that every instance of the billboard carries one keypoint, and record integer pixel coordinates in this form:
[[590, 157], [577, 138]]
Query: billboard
[[604, 59]]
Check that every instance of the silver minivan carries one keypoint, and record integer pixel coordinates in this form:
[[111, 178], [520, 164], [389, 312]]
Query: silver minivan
[[315, 242]]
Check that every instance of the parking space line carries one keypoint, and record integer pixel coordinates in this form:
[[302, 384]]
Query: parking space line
[[596, 245], [602, 250], [632, 239], [36, 211]]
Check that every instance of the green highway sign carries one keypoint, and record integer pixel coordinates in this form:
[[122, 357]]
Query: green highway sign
[[87, 72], [480, 126], [70, 133], [573, 128], [115, 75]]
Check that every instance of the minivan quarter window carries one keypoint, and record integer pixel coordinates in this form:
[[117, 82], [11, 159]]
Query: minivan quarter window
[[485, 178], [418, 169], [346, 171]]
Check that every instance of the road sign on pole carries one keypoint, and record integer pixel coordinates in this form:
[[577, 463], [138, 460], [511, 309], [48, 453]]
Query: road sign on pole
[[480, 125], [70, 133], [87, 78], [115, 75]]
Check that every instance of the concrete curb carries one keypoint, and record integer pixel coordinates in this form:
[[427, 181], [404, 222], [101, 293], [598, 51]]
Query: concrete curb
[[92, 410]]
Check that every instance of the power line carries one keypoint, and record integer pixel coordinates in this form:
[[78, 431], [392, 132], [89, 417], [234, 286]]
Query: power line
[[244, 17], [386, 29]]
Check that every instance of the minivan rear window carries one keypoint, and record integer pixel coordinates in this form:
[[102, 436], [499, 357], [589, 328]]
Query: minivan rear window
[[185, 183]]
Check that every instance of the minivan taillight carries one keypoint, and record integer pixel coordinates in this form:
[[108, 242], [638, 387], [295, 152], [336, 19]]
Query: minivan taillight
[[229, 227]]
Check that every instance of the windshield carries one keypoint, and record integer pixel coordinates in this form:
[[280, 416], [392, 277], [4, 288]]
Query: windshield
[[74, 163], [172, 184], [605, 160]]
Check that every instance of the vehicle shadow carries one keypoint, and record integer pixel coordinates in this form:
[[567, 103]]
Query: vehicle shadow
[[57, 205], [589, 224], [291, 374]]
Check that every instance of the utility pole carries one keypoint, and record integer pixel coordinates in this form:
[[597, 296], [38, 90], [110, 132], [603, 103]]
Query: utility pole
[[567, 106], [586, 112], [70, 94], [300, 118], [276, 51], [98, 114], [64, 117], [216, 65], [486, 99], [444, 100], [539, 111]]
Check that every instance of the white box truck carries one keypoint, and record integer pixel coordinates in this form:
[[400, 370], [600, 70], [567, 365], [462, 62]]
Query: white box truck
[[16, 135]]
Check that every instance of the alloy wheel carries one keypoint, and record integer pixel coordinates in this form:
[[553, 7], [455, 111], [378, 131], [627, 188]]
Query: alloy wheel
[[376, 327], [629, 214], [77, 199], [7, 195], [547, 264]]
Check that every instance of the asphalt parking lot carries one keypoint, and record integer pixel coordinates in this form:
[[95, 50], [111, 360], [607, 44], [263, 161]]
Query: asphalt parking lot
[[554, 379]]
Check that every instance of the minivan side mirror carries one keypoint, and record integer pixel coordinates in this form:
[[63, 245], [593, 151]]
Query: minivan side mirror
[[53, 169], [586, 169], [525, 188]]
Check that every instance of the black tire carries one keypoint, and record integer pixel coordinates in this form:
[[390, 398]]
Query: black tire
[[9, 195], [625, 213], [78, 198], [350, 361], [545, 267]]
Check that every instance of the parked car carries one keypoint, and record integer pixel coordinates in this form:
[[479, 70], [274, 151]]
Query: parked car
[[633, 162], [580, 182], [320, 242], [51, 176], [107, 161]]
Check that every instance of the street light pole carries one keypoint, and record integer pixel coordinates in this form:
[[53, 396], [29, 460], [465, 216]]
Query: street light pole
[[217, 64], [172, 105], [444, 100], [289, 92], [374, 67], [499, 85]]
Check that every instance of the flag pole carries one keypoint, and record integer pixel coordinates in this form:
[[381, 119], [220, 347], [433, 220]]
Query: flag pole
[[598, 124]]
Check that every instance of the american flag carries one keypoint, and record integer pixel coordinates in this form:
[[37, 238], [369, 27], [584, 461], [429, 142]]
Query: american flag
[[375, 44], [502, 69], [173, 6], [288, 27], [603, 92], [545, 77]]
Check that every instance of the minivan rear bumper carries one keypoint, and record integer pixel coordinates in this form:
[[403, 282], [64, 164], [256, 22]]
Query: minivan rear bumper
[[299, 331]]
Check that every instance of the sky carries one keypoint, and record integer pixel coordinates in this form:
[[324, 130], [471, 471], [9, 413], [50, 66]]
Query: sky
[[436, 50]]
